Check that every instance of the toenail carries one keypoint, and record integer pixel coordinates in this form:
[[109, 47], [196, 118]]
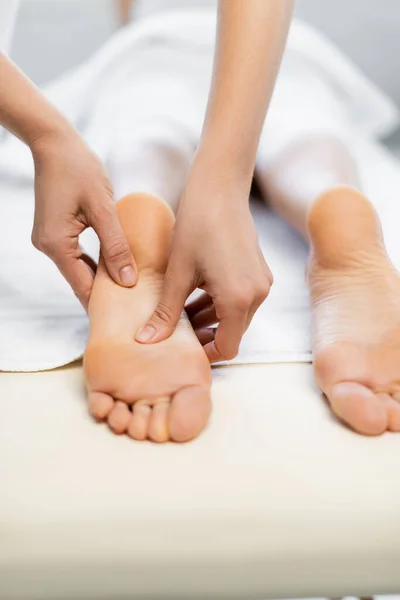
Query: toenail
[[128, 276], [146, 334]]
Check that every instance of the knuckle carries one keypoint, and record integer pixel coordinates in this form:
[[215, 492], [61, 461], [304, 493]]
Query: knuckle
[[35, 240], [245, 295], [45, 242], [163, 314], [270, 278], [117, 250], [242, 298], [262, 291], [103, 212]]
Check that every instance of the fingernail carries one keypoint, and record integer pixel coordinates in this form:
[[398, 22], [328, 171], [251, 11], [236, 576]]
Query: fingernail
[[128, 276], [146, 334]]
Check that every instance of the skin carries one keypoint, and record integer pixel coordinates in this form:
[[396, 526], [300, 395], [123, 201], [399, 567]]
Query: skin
[[160, 391], [354, 291], [214, 211], [354, 288], [72, 190], [311, 181], [251, 38]]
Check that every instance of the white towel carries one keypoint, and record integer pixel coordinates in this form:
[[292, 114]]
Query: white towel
[[42, 325]]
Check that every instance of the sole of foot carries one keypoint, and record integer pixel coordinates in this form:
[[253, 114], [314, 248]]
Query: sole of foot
[[159, 392], [355, 297]]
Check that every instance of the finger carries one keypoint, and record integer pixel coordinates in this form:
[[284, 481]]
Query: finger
[[88, 260], [195, 306], [252, 311], [114, 247], [79, 276], [260, 297], [164, 319], [206, 335], [204, 318], [227, 338]]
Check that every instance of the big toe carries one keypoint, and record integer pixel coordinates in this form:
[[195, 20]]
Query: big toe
[[359, 407], [189, 413], [393, 409]]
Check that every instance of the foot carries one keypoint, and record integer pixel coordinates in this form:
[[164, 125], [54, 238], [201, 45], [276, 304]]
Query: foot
[[159, 392], [355, 295]]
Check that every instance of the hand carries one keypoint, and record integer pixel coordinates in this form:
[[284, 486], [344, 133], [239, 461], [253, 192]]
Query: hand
[[72, 192], [214, 247]]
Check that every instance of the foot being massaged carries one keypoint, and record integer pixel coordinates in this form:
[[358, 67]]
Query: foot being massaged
[[184, 224]]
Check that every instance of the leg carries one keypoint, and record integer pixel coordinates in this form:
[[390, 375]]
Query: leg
[[162, 391], [293, 179], [154, 161], [355, 290]]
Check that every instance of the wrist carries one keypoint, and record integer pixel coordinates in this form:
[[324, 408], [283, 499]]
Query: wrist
[[227, 159], [213, 187], [215, 166], [45, 140]]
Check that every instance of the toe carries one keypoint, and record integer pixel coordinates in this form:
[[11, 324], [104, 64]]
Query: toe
[[139, 423], [189, 413], [158, 426], [393, 409], [119, 418], [358, 406], [100, 405]]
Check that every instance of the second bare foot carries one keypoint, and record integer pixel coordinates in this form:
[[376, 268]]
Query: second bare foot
[[355, 294]]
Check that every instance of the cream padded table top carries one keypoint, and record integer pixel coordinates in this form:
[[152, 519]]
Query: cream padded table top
[[275, 499]]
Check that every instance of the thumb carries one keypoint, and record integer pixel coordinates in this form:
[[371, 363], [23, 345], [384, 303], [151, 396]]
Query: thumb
[[115, 248], [165, 317]]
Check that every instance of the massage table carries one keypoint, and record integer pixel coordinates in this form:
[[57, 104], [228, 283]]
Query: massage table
[[275, 499]]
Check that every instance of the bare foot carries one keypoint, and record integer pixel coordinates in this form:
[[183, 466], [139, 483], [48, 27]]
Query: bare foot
[[159, 391], [355, 294]]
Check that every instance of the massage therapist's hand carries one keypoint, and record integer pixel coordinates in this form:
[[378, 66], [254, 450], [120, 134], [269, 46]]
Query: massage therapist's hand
[[71, 188], [214, 247], [72, 192], [215, 244]]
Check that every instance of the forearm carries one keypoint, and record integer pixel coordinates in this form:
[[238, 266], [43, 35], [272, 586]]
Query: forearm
[[23, 109], [250, 42]]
